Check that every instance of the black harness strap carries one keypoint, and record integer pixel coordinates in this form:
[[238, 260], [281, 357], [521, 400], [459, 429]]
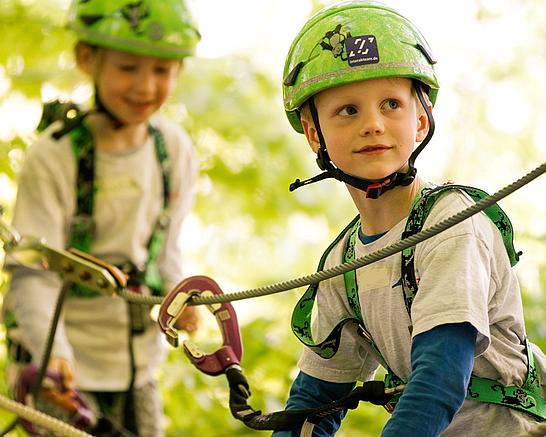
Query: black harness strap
[[82, 228], [370, 391]]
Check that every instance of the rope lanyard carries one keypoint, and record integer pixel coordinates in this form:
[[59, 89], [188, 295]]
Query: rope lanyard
[[55, 425]]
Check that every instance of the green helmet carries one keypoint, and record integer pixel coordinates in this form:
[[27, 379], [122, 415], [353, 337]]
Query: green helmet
[[350, 41], [161, 28]]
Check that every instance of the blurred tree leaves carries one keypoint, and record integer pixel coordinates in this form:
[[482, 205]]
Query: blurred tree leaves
[[247, 229]]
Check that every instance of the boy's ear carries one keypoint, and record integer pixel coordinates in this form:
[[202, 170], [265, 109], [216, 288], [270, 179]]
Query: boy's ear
[[85, 57], [310, 133], [423, 124]]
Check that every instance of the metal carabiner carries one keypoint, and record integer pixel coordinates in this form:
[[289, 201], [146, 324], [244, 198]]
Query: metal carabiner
[[171, 309]]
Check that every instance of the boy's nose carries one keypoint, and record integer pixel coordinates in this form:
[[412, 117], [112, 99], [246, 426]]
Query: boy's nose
[[145, 82], [371, 125]]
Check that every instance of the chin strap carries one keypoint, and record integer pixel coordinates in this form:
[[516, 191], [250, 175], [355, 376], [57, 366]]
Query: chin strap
[[76, 119], [99, 107], [373, 188]]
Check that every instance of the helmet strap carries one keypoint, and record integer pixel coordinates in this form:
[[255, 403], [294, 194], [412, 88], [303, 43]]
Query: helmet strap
[[417, 86], [373, 188], [99, 106]]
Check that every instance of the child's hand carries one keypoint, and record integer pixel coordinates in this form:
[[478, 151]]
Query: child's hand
[[188, 320], [63, 367]]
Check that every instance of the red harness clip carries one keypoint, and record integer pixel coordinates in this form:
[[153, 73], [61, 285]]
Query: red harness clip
[[174, 304], [374, 190]]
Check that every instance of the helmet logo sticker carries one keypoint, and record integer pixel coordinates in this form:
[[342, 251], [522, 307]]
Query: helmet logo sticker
[[362, 50], [156, 31], [134, 13], [334, 41]]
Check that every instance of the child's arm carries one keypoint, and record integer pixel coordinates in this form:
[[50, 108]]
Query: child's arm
[[442, 361], [310, 392], [43, 194]]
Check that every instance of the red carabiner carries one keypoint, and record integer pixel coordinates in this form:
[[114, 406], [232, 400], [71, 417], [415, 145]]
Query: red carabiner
[[172, 307]]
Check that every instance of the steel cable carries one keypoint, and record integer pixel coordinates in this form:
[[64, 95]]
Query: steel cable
[[359, 262]]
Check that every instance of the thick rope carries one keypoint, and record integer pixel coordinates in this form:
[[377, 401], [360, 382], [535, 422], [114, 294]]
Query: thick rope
[[41, 419], [357, 263]]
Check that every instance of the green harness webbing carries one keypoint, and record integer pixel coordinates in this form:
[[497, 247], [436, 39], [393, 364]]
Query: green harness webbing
[[82, 228], [526, 398]]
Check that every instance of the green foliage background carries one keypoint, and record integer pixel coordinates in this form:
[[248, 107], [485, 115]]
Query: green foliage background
[[252, 232]]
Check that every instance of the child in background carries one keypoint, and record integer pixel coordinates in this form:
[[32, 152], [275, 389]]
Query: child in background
[[445, 319], [115, 182]]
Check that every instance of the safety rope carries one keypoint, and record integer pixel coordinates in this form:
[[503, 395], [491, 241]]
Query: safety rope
[[357, 263], [55, 425]]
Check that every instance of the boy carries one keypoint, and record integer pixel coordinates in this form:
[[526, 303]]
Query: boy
[[360, 83], [116, 182]]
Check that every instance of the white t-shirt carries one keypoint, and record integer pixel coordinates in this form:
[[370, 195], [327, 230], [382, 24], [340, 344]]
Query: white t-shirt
[[464, 275], [93, 333]]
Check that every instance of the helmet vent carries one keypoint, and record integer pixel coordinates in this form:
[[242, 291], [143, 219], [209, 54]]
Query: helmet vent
[[291, 77], [89, 20], [427, 53]]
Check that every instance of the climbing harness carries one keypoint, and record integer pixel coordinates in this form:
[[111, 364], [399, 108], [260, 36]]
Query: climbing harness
[[82, 226], [526, 398]]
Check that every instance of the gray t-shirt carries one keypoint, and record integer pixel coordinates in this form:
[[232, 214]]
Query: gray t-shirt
[[464, 275], [93, 333]]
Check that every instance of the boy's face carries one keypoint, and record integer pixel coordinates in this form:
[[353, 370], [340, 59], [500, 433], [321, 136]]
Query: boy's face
[[370, 127], [132, 87]]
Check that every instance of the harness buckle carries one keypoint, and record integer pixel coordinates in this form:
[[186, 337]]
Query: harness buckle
[[231, 351]]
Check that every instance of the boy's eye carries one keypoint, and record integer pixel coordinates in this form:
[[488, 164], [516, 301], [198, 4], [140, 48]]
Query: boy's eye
[[127, 67], [391, 104], [161, 69], [348, 110]]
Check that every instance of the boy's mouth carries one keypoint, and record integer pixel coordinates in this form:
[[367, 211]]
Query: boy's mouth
[[374, 148], [140, 105]]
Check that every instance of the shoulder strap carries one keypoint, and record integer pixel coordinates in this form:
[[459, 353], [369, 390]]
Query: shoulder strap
[[82, 227], [416, 220], [152, 276], [301, 316], [351, 288]]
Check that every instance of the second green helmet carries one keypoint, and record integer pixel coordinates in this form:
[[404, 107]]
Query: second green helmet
[[351, 41], [161, 28]]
